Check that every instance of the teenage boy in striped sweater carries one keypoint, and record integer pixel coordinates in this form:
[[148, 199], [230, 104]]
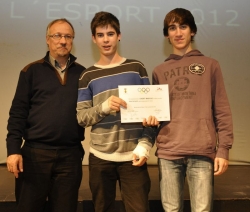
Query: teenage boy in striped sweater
[[118, 151]]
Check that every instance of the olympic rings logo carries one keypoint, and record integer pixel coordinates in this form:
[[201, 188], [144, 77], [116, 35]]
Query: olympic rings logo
[[143, 90]]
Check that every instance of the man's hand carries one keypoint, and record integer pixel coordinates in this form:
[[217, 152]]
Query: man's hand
[[151, 121], [220, 166], [138, 162], [15, 164], [115, 102]]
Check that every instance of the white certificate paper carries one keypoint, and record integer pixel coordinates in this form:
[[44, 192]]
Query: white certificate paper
[[144, 101]]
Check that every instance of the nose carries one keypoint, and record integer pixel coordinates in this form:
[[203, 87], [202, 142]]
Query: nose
[[178, 31], [105, 38], [63, 39]]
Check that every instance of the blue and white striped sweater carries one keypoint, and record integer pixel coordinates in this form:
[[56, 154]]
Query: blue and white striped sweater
[[110, 139]]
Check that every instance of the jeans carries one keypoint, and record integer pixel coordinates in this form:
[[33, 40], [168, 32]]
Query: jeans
[[199, 171], [134, 183], [49, 174]]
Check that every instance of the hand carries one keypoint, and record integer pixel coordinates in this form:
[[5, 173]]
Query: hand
[[15, 164], [138, 162], [220, 166], [115, 102], [151, 121]]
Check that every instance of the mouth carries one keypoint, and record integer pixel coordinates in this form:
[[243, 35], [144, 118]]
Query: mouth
[[179, 40], [62, 48], [106, 47]]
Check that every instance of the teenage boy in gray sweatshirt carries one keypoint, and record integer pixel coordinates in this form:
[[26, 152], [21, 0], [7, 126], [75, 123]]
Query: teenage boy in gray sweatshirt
[[195, 143]]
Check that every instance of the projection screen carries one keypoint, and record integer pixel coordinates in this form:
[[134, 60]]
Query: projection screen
[[223, 33]]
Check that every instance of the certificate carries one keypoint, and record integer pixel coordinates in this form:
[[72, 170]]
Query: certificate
[[144, 101]]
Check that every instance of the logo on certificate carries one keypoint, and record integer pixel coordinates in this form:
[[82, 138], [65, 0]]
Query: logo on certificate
[[143, 90]]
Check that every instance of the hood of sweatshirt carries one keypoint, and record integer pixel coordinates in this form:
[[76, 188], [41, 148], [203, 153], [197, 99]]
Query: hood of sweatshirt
[[189, 54]]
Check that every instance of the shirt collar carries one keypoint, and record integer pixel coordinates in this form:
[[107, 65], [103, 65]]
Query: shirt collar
[[55, 64]]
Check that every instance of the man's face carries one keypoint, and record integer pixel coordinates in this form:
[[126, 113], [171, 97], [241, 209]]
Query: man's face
[[60, 47], [180, 37], [106, 40]]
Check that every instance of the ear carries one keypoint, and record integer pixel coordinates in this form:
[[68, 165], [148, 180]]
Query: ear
[[47, 39], [119, 36], [192, 33], [93, 39]]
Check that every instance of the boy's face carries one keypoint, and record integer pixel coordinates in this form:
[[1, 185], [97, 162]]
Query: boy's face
[[106, 40], [180, 37]]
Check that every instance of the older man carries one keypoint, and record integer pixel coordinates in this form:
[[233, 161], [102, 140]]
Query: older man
[[43, 114]]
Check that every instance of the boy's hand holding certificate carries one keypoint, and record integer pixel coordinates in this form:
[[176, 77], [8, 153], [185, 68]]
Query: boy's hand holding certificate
[[143, 101]]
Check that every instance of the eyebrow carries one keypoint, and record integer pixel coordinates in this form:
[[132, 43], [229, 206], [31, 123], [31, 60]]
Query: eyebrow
[[105, 32], [178, 24]]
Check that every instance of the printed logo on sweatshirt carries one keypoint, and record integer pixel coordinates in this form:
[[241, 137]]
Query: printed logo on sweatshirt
[[184, 95], [176, 72], [181, 84], [196, 68]]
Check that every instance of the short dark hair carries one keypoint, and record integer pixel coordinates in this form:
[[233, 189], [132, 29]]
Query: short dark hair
[[103, 19], [59, 20], [181, 16]]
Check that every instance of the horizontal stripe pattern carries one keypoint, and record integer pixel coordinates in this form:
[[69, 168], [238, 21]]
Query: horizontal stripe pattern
[[108, 135]]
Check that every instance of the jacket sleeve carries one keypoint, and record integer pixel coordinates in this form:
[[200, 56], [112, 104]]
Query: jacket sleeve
[[18, 114], [222, 114]]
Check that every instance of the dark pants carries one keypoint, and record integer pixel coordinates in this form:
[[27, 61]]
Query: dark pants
[[134, 184], [53, 175]]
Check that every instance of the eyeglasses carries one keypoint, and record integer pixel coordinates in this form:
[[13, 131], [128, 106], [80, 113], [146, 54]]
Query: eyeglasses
[[59, 37]]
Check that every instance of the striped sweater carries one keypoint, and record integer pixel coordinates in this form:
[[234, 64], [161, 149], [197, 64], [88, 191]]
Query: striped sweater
[[109, 138]]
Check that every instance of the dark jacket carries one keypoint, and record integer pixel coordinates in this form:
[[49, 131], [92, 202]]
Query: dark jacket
[[43, 111]]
